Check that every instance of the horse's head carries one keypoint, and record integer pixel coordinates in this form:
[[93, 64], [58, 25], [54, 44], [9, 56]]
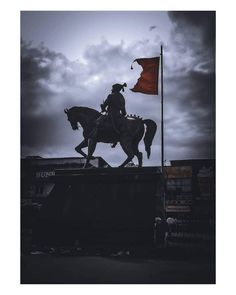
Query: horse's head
[[71, 118]]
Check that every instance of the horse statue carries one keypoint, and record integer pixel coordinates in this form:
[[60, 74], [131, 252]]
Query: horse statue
[[129, 141]]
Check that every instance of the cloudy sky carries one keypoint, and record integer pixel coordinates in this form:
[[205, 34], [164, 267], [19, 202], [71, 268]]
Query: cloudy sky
[[73, 58]]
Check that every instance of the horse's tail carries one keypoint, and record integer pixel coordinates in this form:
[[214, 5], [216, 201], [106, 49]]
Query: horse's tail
[[149, 135]]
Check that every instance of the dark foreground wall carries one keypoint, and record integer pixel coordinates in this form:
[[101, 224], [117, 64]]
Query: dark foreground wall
[[100, 206]]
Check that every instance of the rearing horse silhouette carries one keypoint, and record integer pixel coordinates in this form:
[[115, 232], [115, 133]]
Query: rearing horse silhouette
[[129, 141]]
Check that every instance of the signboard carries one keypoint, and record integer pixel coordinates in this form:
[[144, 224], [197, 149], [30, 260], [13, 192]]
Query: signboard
[[171, 208], [178, 202], [45, 174], [178, 172]]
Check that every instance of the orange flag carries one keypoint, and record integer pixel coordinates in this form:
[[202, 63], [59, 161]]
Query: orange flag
[[148, 81]]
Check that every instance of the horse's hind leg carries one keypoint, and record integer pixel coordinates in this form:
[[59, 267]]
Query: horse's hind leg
[[136, 141], [127, 147], [138, 154], [91, 148]]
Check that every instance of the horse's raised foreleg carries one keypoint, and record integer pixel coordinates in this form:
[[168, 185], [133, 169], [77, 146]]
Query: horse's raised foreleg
[[127, 148], [82, 145], [91, 148]]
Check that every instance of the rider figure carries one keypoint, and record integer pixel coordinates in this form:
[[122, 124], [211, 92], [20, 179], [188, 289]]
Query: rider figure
[[114, 106]]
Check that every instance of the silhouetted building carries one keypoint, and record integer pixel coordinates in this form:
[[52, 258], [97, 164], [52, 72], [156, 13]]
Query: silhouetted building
[[109, 206], [62, 202], [102, 205]]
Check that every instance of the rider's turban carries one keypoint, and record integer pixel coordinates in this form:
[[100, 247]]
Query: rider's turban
[[119, 87]]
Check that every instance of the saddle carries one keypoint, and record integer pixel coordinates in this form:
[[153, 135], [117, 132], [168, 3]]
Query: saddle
[[109, 124]]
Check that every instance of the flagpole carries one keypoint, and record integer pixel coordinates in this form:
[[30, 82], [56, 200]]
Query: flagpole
[[162, 138], [162, 111]]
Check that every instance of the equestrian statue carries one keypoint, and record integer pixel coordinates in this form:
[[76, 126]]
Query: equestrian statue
[[112, 125]]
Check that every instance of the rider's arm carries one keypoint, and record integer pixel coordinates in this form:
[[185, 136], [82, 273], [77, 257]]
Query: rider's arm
[[123, 110], [105, 104]]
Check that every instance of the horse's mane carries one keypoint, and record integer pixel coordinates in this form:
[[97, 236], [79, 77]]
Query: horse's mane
[[85, 110]]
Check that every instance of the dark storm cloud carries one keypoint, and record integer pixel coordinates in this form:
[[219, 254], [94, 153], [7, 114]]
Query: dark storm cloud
[[190, 90], [45, 76], [194, 32], [204, 21], [190, 116]]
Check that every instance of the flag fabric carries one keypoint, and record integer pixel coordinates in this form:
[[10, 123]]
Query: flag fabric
[[148, 81]]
